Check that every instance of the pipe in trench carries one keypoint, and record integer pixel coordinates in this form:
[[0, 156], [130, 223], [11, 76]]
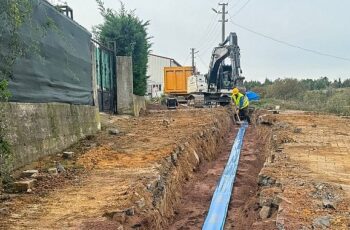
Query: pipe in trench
[[219, 205]]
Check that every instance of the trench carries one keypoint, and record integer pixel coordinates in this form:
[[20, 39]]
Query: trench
[[189, 187], [172, 191]]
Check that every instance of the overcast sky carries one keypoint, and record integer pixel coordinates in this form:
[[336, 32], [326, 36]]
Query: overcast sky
[[178, 25]]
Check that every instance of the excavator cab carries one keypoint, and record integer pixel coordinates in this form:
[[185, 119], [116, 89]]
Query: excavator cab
[[224, 71]]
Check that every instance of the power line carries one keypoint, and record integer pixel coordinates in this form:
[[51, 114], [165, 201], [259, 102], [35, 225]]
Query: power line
[[208, 31], [210, 42], [234, 5], [208, 35], [240, 9], [187, 58], [213, 38], [203, 62], [289, 44]]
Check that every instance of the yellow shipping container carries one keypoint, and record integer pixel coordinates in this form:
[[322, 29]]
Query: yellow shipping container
[[175, 79]]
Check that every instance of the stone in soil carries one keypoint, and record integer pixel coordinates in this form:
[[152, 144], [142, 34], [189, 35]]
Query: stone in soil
[[52, 171], [60, 168], [119, 217], [29, 173], [141, 203], [4, 211], [130, 211], [328, 204], [322, 222], [113, 131], [68, 155], [297, 130], [24, 185], [265, 212]]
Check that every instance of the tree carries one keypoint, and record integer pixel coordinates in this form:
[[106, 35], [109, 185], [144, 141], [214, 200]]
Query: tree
[[286, 89], [346, 83], [251, 84], [309, 84], [267, 82], [322, 83], [131, 37]]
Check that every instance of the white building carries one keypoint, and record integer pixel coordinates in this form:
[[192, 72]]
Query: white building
[[155, 71]]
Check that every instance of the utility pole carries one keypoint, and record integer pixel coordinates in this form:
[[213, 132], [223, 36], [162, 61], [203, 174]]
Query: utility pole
[[193, 52], [223, 20]]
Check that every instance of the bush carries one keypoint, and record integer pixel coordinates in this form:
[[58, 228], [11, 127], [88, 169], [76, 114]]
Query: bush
[[339, 103], [286, 89]]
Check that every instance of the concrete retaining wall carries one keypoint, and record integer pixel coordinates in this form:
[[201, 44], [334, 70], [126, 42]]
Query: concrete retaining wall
[[139, 103], [36, 130]]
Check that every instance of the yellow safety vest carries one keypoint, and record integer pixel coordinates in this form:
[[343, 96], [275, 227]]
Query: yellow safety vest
[[237, 100]]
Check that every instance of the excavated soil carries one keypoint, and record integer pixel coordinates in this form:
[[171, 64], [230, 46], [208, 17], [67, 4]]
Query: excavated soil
[[305, 183], [159, 171], [197, 193], [242, 213], [129, 180], [194, 204]]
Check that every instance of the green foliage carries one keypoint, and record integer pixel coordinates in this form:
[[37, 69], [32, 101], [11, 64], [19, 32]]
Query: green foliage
[[4, 92], [346, 83], [285, 89], [321, 83], [252, 84], [319, 95], [14, 13], [130, 34], [339, 103]]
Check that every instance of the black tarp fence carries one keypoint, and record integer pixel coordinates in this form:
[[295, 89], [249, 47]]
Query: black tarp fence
[[60, 70]]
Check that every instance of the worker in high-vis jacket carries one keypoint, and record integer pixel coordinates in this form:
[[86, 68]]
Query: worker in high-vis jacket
[[241, 102]]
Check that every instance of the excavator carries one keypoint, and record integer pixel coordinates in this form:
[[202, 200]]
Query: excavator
[[224, 74]]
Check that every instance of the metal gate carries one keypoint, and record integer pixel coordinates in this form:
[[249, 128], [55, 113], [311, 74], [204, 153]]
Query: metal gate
[[106, 77]]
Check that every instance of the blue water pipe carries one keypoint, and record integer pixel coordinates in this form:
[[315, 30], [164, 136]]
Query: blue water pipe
[[219, 204]]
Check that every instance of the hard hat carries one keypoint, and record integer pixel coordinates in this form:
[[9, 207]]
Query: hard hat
[[235, 91]]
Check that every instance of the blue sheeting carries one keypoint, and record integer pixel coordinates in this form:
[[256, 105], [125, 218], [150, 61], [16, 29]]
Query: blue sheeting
[[219, 205], [252, 96]]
